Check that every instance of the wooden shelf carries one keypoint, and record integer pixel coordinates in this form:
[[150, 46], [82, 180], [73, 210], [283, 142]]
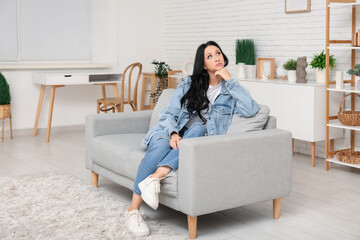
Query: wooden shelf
[[345, 89], [337, 124], [334, 160]]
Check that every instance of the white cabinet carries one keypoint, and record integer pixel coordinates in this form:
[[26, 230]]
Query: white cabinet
[[299, 108]]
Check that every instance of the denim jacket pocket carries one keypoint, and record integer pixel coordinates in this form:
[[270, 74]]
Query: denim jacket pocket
[[222, 116]]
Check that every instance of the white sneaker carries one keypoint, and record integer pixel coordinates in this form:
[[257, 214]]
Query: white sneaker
[[136, 224], [150, 189]]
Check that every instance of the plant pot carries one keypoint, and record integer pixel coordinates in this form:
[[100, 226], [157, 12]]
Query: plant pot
[[241, 71], [320, 75], [5, 111], [291, 74], [250, 71]]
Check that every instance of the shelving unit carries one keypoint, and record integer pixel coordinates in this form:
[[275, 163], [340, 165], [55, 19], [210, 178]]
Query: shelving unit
[[333, 121]]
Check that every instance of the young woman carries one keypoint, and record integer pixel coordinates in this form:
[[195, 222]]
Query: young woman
[[202, 105]]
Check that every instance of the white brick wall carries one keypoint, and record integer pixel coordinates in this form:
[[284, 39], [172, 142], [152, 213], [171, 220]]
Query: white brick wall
[[282, 36]]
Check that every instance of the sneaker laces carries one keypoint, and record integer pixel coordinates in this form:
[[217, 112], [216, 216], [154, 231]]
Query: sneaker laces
[[138, 217], [157, 186]]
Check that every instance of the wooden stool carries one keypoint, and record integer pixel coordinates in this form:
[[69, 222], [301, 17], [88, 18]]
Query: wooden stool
[[5, 112]]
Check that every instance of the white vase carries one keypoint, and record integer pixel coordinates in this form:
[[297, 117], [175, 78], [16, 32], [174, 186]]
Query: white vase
[[250, 71], [291, 74], [241, 71], [320, 75]]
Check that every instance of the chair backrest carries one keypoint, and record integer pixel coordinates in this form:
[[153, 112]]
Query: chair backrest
[[171, 80], [132, 98]]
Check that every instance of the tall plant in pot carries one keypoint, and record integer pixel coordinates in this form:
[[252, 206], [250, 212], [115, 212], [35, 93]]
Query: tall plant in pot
[[161, 71], [319, 63], [245, 57], [5, 97], [290, 67]]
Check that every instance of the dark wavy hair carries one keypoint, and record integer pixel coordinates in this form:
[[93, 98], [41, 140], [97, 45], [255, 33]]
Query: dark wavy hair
[[196, 99]]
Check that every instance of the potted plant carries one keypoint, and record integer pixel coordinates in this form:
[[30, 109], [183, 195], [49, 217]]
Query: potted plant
[[355, 72], [5, 98], [319, 64], [161, 71], [245, 58], [290, 67]]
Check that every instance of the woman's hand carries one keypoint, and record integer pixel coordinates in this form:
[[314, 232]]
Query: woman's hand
[[223, 73], [174, 141]]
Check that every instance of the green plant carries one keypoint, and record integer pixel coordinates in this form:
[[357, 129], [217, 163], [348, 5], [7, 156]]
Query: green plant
[[290, 65], [5, 96], [161, 71], [355, 71], [245, 51], [319, 61]]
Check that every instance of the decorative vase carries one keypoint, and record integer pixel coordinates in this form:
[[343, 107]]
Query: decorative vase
[[241, 71], [320, 75], [291, 76], [250, 71]]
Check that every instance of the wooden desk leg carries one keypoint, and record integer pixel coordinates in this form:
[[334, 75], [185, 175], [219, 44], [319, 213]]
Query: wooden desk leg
[[313, 154], [41, 97], [51, 108], [116, 91]]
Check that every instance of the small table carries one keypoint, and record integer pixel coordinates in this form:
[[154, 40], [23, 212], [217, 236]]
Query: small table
[[151, 76], [62, 79]]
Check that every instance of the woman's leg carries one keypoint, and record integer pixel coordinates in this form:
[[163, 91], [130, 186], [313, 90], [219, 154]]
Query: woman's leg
[[171, 160], [158, 148]]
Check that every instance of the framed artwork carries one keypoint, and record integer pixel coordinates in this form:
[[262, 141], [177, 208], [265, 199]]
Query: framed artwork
[[297, 6], [266, 68]]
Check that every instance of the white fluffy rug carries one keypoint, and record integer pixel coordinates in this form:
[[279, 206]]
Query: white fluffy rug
[[60, 206]]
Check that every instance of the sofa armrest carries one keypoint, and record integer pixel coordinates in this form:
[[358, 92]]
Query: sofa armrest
[[115, 123], [222, 172]]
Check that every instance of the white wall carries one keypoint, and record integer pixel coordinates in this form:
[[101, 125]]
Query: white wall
[[282, 36], [122, 32]]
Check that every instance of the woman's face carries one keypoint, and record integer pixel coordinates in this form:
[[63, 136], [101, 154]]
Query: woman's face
[[214, 60]]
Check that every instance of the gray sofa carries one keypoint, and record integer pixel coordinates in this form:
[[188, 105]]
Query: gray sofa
[[215, 173]]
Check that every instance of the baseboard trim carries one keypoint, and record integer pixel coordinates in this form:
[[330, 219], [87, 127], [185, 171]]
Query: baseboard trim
[[42, 131]]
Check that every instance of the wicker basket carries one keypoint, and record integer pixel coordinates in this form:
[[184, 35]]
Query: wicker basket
[[348, 156], [348, 118]]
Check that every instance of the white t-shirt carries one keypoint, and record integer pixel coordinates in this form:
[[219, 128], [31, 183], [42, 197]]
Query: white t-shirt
[[211, 93]]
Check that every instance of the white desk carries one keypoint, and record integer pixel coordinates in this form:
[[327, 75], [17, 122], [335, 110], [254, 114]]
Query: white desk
[[57, 79]]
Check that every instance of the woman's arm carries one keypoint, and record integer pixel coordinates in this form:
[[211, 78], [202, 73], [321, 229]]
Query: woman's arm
[[169, 115], [245, 106]]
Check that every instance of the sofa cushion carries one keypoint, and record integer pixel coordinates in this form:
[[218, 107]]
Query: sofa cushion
[[163, 101], [122, 154], [242, 124], [113, 151]]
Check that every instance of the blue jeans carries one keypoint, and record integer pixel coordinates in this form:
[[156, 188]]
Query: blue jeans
[[160, 153]]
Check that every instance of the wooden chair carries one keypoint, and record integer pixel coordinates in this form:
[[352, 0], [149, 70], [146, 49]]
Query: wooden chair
[[117, 104], [171, 80]]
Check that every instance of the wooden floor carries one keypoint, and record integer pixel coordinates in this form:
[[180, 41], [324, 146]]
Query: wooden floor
[[322, 205]]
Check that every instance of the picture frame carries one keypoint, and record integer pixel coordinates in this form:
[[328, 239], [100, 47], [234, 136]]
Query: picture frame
[[297, 6], [267, 66]]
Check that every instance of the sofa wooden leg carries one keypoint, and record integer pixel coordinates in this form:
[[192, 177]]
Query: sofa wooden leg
[[276, 208], [192, 222], [95, 179]]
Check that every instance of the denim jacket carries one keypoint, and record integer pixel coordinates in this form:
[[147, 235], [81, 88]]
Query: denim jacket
[[233, 99]]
